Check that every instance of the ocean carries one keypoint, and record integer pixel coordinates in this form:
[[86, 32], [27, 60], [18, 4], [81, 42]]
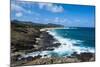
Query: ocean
[[72, 39]]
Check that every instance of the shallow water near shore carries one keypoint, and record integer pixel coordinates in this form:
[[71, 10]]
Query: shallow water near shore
[[72, 40]]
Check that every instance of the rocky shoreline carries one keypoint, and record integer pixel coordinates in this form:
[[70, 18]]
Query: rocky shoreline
[[45, 42], [39, 41], [25, 40], [37, 60], [58, 60]]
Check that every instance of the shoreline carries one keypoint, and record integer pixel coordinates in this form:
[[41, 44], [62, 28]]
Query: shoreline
[[83, 57], [46, 29], [44, 41], [38, 60]]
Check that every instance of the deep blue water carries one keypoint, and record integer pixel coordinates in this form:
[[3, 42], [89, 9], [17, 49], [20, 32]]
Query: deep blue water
[[77, 39], [86, 35]]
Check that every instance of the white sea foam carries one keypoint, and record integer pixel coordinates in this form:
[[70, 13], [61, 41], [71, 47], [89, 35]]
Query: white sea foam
[[66, 48], [67, 45], [70, 28]]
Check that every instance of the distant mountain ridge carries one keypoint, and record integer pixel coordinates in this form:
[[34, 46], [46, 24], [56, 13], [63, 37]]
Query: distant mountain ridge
[[35, 24]]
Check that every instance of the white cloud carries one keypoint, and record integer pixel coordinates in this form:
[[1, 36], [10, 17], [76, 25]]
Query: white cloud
[[19, 14], [59, 20], [56, 19], [16, 7], [19, 10], [51, 7], [77, 20], [55, 8], [29, 11], [41, 5]]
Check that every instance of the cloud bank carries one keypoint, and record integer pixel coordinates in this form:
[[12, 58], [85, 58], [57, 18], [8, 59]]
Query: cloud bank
[[51, 7]]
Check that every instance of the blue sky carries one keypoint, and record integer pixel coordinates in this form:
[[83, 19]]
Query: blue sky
[[65, 14]]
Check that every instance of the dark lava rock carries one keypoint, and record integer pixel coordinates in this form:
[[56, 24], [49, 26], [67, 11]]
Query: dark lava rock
[[85, 56], [37, 57], [57, 44], [30, 58], [46, 40], [74, 54], [50, 48], [15, 58], [23, 59]]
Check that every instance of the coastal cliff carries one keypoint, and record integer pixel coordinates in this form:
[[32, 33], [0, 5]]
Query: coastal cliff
[[27, 37]]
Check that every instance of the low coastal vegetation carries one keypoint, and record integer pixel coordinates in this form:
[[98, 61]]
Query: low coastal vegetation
[[26, 37], [24, 34]]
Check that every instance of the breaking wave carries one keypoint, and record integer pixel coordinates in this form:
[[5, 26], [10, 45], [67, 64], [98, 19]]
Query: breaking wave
[[66, 48]]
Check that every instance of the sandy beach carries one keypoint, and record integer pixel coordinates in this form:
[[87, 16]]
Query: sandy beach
[[46, 29]]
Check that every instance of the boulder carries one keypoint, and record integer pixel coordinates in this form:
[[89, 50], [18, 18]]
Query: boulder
[[83, 57], [30, 58]]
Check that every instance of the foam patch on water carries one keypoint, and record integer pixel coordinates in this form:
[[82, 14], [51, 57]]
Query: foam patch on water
[[66, 48]]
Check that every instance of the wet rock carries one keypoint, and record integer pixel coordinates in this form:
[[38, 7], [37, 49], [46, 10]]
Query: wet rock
[[15, 58], [37, 57], [74, 54], [57, 44], [85, 56], [49, 49], [30, 58], [47, 41]]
